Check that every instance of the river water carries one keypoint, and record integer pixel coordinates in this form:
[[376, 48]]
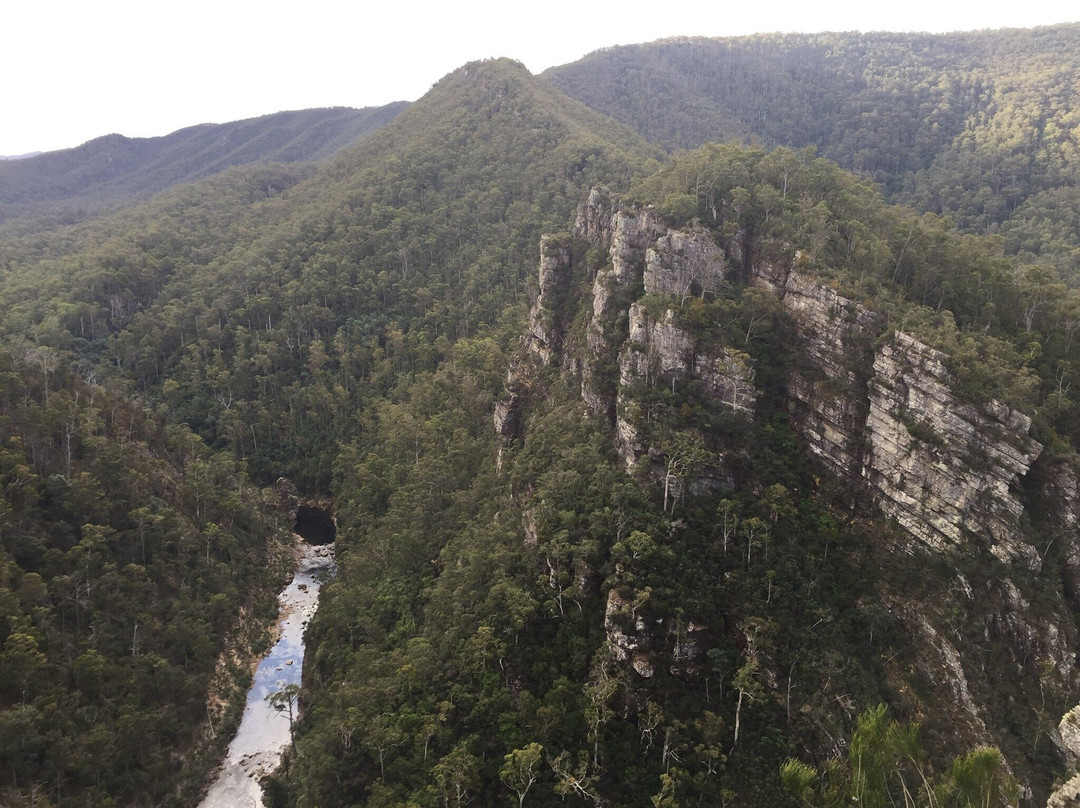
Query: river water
[[264, 731]]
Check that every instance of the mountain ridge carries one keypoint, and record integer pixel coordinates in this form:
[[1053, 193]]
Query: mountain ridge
[[682, 554], [115, 169], [973, 125]]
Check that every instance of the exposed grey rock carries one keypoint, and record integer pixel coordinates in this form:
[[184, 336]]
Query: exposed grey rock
[[886, 419], [684, 264], [941, 663], [654, 348], [945, 470], [659, 347], [627, 442], [545, 336], [827, 398], [1069, 730], [627, 645], [528, 525], [1068, 796], [595, 217], [627, 237], [507, 416]]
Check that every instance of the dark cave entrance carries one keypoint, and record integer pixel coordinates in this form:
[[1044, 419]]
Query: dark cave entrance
[[315, 525]]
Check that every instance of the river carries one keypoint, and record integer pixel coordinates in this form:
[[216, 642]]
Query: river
[[264, 731]]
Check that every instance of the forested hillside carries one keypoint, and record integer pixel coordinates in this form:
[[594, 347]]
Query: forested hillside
[[653, 593], [133, 557], [64, 186], [270, 314], [980, 127], [753, 452]]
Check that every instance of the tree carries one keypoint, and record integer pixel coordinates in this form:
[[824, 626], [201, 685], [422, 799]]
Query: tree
[[520, 770], [285, 700], [686, 457], [579, 779], [886, 763], [458, 775]]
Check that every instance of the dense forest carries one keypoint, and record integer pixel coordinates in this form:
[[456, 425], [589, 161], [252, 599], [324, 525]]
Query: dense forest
[[357, 325], [65, 186], [980, 127]]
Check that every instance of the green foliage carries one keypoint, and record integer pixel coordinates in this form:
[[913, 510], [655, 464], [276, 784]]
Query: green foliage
[[518, 619], [128, 552], [115, 171], [979, 127], [886, 763]]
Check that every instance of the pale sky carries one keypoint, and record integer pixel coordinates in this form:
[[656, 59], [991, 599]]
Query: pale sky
[[78, 69]]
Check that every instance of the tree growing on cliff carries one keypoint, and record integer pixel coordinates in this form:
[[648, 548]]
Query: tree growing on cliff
[[886, 763]]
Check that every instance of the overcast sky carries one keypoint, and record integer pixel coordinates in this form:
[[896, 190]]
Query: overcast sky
[[77, 69]]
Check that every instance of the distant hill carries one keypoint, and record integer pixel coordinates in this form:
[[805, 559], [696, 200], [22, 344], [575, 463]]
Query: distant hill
[[113, 169], [978, 126]]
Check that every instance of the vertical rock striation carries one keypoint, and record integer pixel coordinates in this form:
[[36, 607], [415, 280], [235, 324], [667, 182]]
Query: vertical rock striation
[[545, 328], [827, 387], [888, 419], [944, 469], [877, 409]]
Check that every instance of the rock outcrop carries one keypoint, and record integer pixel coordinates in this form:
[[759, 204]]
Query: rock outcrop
[[945, 470], [1068, 795], [647, 255], [658, 348], [877, 409], [643, 643], [888, 419], [507, 416], [684, 264], [827, 388], [545, 327], [628, 635], [627, 237]]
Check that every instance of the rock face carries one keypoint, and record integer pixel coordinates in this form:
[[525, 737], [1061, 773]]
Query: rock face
[[642, 643], [943, 469], [628, 635], [888, 419], [827, 390], [659, 348], [545, 335], [507, 416], [1068, 796], [646, 254], [627, 238], [683, 264], [877, 409]]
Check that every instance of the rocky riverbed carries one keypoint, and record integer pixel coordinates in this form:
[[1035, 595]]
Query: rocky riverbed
[[264, 730]]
